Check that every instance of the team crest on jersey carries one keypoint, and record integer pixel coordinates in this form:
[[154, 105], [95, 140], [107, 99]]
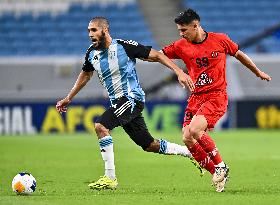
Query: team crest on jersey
[[112, 54], [214, 54], [203, 79]]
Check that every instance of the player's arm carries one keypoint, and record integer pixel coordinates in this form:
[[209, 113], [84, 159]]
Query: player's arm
[[183, 78], [136, 50], [246, 61], [232, 49], [83, 78], [81, 81]]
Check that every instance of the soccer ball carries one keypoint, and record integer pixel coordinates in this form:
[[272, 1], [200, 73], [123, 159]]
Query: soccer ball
[[24, 183]]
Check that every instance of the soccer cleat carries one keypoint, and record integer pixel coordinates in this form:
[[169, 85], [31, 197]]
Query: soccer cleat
[[220, 186], [196, 164], [104, 183], [220, 178]]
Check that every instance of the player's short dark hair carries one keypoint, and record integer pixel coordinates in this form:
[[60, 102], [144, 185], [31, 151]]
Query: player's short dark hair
[[102, 21], [186, 17]]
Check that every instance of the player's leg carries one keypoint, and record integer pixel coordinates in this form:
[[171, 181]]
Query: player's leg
[[221, 175], [109, 180], [106, 150], [209, 146], [211, 111], [191, 133], [138, 132], [136, 128], [192, 137], [110, 119], [194, 102]]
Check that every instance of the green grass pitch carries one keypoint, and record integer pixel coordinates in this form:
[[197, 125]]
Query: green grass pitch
[[63, 165]]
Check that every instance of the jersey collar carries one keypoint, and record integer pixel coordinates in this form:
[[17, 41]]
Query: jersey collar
[[206, 36]]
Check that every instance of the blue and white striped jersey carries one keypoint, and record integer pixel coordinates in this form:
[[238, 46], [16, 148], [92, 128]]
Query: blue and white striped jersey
[[115, 67]]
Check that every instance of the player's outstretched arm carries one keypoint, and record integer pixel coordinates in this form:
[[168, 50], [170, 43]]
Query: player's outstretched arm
[[183, 78], [245, 60], [83, 78]]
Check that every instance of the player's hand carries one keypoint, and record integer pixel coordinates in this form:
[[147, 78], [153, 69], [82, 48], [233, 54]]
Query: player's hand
[[186, 81], [61, 106], [264, 76]]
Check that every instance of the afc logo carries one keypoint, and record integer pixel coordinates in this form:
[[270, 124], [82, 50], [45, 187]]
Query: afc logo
[[214, 54]]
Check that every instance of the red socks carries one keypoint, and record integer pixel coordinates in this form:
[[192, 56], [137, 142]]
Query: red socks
[[208, 145], [202, 157], [205, 152]]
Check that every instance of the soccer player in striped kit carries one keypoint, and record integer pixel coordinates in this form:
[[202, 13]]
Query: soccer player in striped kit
[[204, 54], [114, 62]]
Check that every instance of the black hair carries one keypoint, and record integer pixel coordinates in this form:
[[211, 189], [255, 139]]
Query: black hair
[[102, 21], [186, 17]]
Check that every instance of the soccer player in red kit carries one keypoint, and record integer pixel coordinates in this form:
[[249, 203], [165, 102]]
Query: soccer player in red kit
[[204, 54]]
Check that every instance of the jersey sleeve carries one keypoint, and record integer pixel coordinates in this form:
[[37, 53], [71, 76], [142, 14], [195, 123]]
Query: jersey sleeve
[[170, 51], [230, 47], [134, 49], [87, 66]]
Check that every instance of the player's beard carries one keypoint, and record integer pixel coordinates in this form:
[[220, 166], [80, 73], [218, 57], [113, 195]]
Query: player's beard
[[102, 41]]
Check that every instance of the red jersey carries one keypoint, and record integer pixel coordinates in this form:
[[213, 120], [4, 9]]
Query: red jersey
[[205, 61]]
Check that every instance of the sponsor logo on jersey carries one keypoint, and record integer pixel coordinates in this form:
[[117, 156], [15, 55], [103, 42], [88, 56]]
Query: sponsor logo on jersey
[[95, 58], [203, 79]]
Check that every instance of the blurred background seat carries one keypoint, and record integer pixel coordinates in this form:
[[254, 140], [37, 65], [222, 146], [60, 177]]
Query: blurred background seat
[[69, 29], [240, 19], [57, 29]]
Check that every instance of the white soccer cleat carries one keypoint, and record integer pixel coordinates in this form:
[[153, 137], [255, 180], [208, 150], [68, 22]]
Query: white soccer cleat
[[220, 186], [220, 178]]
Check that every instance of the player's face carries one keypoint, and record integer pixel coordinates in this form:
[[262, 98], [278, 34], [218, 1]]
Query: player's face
[[189, 31], [96, 35]]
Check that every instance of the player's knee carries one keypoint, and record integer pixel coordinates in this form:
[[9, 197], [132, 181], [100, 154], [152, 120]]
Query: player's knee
[[153, 147], [186, 135], [195, 132], [187, 139], [100, 129]]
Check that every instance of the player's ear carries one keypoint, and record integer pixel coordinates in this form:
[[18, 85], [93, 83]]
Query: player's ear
[[195, 24], [106, 30]]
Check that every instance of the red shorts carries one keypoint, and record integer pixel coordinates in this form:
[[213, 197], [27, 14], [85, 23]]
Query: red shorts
[[211, 105]]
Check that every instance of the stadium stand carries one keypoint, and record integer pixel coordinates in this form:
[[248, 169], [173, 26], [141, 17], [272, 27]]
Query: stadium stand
[[60, 27], [241, 19], [49, 38]]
